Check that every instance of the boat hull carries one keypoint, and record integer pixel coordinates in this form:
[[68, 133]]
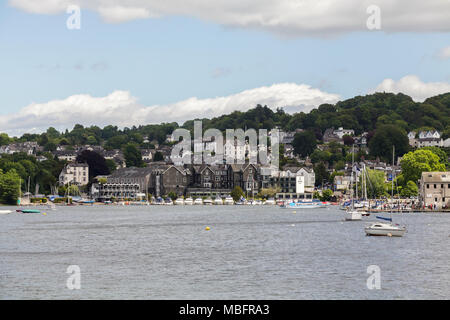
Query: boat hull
[[385, 232]]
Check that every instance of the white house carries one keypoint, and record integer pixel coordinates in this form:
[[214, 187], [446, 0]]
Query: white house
[[76, 173], [341, 132]]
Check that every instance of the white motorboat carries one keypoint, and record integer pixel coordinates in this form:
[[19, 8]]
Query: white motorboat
[[189, 201], [270, 201], [179, 201], [6, 211], [198, 201], [218, 201], [208, 201], [353, 215], [303, 204], [229, 201], [168, 202], [385, 229]]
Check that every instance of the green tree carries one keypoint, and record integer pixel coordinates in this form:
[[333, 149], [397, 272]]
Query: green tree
[[96, 162], [237, 193], [321, 174], [158, 156], [327, 195], [414, 163], [304, 143], [443, 158], [9, 187], [375, 183], [268, 192], [410, 190], [133, 156], [384, 138], [172, 195], [111, 164]]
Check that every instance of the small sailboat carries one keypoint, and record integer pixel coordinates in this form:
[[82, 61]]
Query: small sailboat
[[218, 200], [189, 201], [386, 228], [168, 202], [352, 214]]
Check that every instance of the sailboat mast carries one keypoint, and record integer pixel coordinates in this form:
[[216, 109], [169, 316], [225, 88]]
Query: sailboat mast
[[353, 159], [392, 178]]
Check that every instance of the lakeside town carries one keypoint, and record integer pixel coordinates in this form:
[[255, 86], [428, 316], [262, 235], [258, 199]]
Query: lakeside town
[[310, 169]]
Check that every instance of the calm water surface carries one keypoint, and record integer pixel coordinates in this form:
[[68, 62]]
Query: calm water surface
[[163, 252]]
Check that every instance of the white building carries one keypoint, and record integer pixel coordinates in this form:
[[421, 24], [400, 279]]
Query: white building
[[74, 173], [431, 138], [434, 189], [341, 132]]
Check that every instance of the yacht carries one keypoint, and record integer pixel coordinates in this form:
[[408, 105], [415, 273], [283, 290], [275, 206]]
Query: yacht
[[5, 211], [198, 201], [352, 213], [218, 200], [303, 204], [189, 201], [229, 200], [168, 202], [208, 201], [270, 201], [179, 201], [385, 229]]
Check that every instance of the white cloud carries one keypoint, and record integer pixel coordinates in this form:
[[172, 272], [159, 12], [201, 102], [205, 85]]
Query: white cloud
[[414, 87], [118, 14], [444, 53], [306, 17], [122, 109]]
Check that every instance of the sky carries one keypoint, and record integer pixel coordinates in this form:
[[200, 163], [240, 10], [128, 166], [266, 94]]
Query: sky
[[135, 62]]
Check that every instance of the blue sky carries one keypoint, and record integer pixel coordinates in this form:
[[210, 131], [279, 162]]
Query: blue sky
[[172, 58]]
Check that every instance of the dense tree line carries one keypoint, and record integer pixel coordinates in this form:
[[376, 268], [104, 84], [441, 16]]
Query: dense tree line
[[369, 113]]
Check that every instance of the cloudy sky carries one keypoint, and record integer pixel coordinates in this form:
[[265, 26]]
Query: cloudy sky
[[148, 61]]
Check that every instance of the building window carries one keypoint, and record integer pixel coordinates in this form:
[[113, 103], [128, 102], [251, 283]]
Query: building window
[[435, 186], [428, 186]]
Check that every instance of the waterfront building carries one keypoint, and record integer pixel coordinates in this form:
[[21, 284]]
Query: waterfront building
[[74, 173], [434, 189]]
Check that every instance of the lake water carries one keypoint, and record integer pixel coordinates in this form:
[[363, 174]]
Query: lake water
[[250, 252]]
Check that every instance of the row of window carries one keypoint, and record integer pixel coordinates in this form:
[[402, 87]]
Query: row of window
[[435, 186]]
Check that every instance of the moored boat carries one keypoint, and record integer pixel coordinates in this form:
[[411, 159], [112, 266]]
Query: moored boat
[[385, 229], [198, 201], [179, 201], [208, 201], [353, 215], [5, 211], [189, 201], [218, 201], [229, 200], [28, 211]]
